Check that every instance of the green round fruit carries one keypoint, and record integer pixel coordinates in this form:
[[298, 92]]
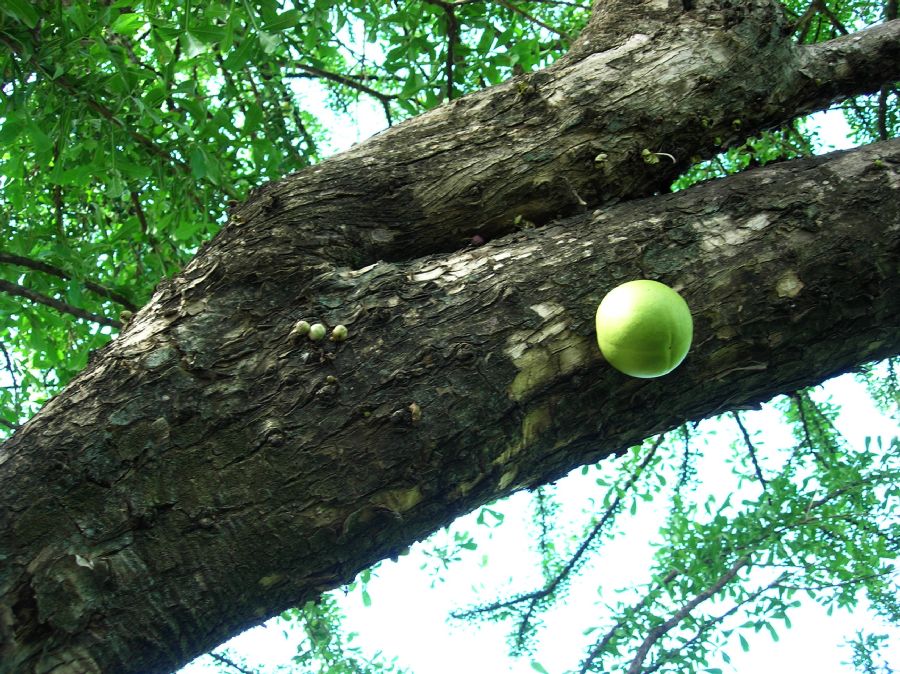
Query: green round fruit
[[317, 331], [644, 328]]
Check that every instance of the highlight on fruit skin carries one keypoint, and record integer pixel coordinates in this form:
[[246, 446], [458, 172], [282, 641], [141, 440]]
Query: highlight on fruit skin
[[644, 328]]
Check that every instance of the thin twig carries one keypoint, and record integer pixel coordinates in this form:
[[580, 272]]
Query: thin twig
[[70, 86], [706, 626], [543, 517], [750, 448], [20, 291], [518, 10], [537, 595], [452, 39], [832, 17], [46, 268], [802, 24], [798, 399], [230, 663], [601, 644], [10, 367], [10, 425], [346, 80], [57, 194], [881, 119], [687, 468]]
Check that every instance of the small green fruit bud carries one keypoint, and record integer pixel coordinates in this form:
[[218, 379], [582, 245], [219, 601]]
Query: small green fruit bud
[[317, 332], [339, 334], [300, 328]]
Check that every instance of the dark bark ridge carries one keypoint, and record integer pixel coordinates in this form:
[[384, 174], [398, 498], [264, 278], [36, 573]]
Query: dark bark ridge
[[207, 470]]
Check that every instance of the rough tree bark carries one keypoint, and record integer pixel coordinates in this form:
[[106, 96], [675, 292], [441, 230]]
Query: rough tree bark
[[207, 470]]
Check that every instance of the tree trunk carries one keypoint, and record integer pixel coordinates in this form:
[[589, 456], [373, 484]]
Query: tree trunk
[[209, 469]]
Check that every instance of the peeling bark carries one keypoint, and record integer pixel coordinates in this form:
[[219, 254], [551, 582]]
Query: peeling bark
[[208, 469]]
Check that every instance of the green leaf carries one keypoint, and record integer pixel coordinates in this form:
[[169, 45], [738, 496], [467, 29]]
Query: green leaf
[[486, 41], [11, 129], [128, 23], [198, 163], [288, 19], [538, 667], [192, 45], [41, 140], [186, 230], [269, 41], [208, 33], [366, 599], [21, 10], [744, 645], [237, 58]]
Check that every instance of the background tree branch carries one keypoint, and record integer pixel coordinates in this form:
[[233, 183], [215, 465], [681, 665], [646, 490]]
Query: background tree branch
[[37, 265], [16, 290]]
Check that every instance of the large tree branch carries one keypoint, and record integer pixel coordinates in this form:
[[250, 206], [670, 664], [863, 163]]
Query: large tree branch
[[570, 138], [240, 471], [859, 63]]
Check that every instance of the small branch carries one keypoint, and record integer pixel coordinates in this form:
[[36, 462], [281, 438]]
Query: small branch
[[881, 119], [801, 25], [751, 449], [518, 10], [95, 288], [543, 517], [661, 630], [452, 39], [145, 230], [707, 625], [9, 365], [687, 469], [536, 596], [228, 662], [804, 423], [287, 96], [19, 291], [844, 583], [298, 120], [69, 85], [346, 80], [65, 83], [57, 195], [832, 18], [601, 645], [10, 425]]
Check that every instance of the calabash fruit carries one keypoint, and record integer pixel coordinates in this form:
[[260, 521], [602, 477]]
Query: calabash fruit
[[644, 328]]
